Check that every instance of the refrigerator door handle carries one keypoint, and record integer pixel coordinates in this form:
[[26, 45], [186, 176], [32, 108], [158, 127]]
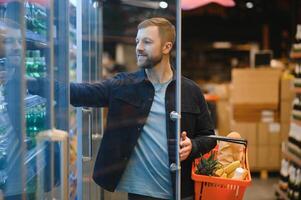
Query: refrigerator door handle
[[89, 112], [55, 135]]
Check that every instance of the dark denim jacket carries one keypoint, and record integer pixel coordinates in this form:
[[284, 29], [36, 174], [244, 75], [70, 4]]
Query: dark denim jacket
[[129, 97]]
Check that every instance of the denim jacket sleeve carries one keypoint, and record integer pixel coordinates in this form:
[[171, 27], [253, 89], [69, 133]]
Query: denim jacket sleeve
[[90, 94], [93, 94]]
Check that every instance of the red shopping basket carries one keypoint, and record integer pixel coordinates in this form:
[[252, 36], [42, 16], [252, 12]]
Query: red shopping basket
[[214, 188]]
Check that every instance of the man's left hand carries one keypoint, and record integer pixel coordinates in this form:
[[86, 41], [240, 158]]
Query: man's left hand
[[185, 146]]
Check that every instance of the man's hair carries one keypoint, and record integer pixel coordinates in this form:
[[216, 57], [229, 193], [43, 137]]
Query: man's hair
[[166, 28]]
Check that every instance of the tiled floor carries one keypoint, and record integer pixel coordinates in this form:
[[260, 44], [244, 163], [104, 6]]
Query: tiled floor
[[261, 189]]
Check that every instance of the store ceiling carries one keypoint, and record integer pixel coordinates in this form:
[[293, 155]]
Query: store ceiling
[[244, 21], [121, 17], [213, 22]]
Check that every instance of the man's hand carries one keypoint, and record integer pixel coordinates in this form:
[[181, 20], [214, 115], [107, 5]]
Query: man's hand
[[185, 146]]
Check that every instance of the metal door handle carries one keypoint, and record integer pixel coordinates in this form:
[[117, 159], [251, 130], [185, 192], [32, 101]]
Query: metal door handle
[[89, 112], [55, 135]]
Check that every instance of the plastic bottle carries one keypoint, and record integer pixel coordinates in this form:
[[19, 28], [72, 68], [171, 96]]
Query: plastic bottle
[[239, 174]]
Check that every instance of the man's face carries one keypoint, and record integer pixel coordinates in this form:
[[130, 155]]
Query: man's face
[[10, 45], [148, 47]]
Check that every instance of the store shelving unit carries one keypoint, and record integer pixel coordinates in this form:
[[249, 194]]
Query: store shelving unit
[[281, 194], [291, 150], [290, 156]]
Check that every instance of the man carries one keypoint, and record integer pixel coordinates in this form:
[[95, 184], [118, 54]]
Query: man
[[10, 65], [110, 66], [138, 145], [10, 49]]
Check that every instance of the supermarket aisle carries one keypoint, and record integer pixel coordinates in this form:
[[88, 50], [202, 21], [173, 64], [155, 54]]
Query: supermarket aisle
[[261, 189]]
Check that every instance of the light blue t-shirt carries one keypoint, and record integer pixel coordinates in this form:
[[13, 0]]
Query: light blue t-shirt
[[147, 172]]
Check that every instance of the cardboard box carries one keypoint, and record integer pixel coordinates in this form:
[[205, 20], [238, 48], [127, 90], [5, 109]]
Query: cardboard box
[[268, 157], [222, 91], [256, 86], [285, 111], [274, 162], [285, 128], [262, 134], [268, 134], [254, 113], [247, 131], [262, 157], [286, 89], [223, 117], [252, 153]]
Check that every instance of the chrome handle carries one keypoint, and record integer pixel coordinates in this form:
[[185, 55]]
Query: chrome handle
[[89, 112], [55, 135]]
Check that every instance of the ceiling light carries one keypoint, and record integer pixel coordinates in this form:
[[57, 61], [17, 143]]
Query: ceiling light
[[249, 5], [163, 4]]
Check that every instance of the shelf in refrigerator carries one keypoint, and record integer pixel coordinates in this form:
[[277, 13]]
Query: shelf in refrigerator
[[37, 39], [34, 100]]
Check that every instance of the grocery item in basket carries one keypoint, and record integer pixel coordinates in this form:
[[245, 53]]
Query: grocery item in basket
[[232, 166], [227, 171], [240, 173], [229, 152], [208, 166]]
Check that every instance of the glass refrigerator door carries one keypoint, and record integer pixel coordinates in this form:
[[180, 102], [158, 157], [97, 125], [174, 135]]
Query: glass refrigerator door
[[13, 153], [46, 163], [32, 153], [89, 125], [62, 113]]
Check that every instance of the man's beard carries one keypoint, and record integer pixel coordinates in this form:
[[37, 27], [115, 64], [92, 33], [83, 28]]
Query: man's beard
[[149, 63]]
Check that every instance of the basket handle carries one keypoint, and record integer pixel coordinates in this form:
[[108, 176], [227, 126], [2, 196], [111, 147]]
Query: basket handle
[[228, 139], [233, 140]]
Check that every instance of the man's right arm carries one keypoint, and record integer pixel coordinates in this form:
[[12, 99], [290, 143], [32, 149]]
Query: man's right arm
[[90, 94], [81, 94]]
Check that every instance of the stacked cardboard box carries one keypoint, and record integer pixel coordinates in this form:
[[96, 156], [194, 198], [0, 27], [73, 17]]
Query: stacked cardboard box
[[257, 105], [264, 143], [255, 99], [268, 144], [255, 92], [223, 109]]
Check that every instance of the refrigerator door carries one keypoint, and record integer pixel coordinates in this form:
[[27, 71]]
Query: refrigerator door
[[13, 152], [33, 163], [89, 120]]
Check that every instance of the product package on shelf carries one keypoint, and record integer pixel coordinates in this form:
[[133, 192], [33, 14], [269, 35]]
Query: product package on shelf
[[290, 179]]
